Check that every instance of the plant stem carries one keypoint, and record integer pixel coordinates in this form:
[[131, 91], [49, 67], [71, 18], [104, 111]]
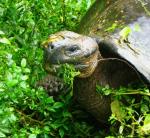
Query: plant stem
[[132, 93], [27, 117]]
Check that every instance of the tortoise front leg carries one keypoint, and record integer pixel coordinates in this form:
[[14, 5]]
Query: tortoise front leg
[[53, 85]]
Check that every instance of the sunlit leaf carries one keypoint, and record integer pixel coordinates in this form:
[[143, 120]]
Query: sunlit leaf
[[124, 33], [1, 32], [13, 82], [23, 62], [146, 127], [32, 136], [2, 135], [147, 120], [112, 28], [24, 77], [58, 105], [47, 128], [5, 41], [12, 117], [27, 70]]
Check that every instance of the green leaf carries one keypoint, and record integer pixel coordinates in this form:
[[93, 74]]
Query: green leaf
[[12, 83], [32, 136], [1, 32], [47, 128], [58, 105], [144, 108], [112, 28], [23, 84], [23, 62], [117, 110], [2, 135], [121, 128], [147, 120], [55, 126], [5, 41], [51, 109], [5, 130], [50, 100], [45, 136], [146, 127], [24, 77], [104, 90], [67, 114], [1, 89], [27, 70], [12, 118], [61, 133], [124, 33]]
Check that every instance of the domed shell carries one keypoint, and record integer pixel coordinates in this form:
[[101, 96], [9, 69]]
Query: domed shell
[[122, 28]]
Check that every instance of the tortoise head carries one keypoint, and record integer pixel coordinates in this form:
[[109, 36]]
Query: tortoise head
[[72, 48]]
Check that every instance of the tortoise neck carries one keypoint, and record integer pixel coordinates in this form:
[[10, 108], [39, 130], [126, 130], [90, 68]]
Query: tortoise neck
[[93, 62], [84, 91]]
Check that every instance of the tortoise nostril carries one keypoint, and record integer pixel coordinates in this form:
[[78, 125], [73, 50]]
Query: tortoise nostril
[[51, 46]]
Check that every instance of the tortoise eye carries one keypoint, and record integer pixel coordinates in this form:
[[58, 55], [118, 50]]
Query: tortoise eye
[[73, 48]]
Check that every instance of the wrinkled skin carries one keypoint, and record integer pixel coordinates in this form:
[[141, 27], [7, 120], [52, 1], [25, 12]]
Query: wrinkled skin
[[106, 58]]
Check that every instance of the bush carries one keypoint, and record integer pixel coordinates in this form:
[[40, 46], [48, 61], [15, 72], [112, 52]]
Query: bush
[[27, 111]]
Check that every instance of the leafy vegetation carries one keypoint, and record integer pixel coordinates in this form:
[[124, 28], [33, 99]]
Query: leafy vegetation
[[130, 110], [28, 111]]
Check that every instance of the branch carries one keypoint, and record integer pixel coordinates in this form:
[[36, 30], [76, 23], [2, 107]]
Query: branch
[[28, 117]]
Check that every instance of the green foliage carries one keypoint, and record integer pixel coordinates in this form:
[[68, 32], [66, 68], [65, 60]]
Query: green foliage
[[112, 28], [28, 23], [124, 33], [26, 111], [130, 110], [67, 72]]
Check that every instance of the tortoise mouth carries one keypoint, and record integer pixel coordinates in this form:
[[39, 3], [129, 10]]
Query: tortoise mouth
[[85, 66], [53, 68]]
